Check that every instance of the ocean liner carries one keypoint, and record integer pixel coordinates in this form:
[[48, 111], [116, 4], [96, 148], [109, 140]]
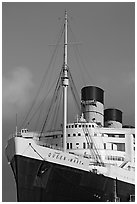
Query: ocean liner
[[90, 159]]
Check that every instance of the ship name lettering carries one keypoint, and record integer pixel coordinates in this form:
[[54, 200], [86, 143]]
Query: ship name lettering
[[64, 158], [49, 154], [53, 155], [57, 156]]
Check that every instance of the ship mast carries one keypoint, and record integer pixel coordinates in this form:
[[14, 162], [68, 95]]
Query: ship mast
[[65, 80]]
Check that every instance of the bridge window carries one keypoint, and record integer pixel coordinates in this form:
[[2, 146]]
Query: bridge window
[[75, 126], [84, 145], [79, 126], [67, 145], [68, 135], [104, 145], [70, 145]]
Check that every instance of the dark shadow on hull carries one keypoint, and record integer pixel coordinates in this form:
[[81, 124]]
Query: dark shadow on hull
[[41, 181]]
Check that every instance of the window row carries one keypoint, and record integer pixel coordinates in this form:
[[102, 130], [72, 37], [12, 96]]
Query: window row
[[85, 145], [74, 134], [117, 135], [117, 158], [79, 134], [80, 126]]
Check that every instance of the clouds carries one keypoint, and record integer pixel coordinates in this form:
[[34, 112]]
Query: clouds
[[17, 89]]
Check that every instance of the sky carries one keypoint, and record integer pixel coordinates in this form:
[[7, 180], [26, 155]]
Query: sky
[[106, 36]]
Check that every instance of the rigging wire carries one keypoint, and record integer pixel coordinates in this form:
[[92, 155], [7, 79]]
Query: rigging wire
[[50, 109], [75, 95], [42, 102], [46, 73], [90, 140], [54, 124], [51, 119], [79, 57], [76, 55], [74, 91], [38, 119], [53, 99]]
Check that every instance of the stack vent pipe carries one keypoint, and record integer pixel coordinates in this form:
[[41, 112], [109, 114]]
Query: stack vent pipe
[[92, 104], [113, 118]]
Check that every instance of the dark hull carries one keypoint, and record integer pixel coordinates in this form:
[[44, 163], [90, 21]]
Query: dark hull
[[43, 181]]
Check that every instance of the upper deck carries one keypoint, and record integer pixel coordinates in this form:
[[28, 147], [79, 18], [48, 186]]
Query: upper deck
[[113, 145]]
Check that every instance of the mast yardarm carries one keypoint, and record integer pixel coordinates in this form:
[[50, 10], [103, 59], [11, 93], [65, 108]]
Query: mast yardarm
[[65, 80]]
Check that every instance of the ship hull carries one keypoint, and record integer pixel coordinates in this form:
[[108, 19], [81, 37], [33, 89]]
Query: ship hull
[[43, 181]]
